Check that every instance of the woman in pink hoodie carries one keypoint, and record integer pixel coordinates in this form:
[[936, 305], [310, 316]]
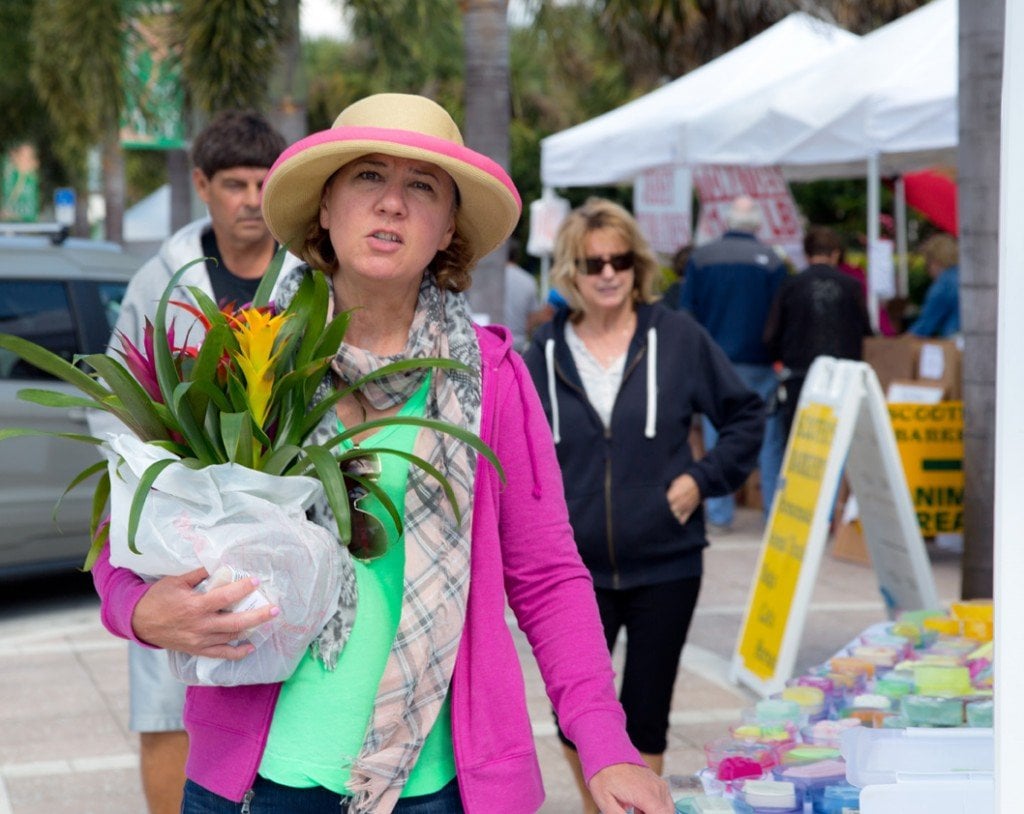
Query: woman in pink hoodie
[[411, 699]]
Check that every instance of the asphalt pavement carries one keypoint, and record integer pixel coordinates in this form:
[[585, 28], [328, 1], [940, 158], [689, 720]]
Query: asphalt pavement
[[64, 740]]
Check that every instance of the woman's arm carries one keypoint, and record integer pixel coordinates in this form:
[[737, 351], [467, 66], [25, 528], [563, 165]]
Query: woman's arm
[[549, 589], [171, 615]]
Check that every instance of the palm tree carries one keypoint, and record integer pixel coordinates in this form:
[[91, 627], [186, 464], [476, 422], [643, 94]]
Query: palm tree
[[981, 63], [228, 49], [486, 42]]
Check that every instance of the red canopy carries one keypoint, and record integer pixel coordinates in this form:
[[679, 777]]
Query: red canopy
[[932, 192]]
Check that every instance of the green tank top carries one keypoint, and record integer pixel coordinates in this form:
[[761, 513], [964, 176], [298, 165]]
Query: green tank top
[[321, 717]]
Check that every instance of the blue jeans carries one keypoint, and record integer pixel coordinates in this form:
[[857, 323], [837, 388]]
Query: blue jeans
[[267, 797], [763, 381]]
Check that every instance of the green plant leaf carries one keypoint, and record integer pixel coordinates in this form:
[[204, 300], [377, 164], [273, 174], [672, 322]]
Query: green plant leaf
[[54, 365], [280, 459], [332, 336], [236, 432], [329, 474], [85, 474], [163, 358], [100, 496], [98, 539], [269, 279], [146, 421], [28, 432], [57, 398], [139, 499], [416, 460]]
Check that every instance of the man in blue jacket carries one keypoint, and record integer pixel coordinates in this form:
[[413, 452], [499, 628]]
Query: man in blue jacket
[[729, 287]]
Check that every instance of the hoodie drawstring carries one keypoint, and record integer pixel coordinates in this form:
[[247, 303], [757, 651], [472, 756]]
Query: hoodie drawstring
[[549, 359], [652, 383]]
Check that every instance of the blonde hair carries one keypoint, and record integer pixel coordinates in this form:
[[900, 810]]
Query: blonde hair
[[940, 249], [570, 247]]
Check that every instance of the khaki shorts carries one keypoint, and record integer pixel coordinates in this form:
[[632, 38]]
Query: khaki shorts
[[157, 697]]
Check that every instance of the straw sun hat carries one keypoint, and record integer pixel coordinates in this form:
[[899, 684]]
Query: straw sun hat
[[399, 125]]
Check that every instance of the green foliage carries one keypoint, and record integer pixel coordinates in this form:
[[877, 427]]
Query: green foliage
[[228, 50], [75, 67]]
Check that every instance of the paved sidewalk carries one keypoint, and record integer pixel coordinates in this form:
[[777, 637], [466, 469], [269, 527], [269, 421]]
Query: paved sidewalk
[[65, 746]]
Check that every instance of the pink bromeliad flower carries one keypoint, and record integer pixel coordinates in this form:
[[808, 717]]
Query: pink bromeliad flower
[[142, 364]]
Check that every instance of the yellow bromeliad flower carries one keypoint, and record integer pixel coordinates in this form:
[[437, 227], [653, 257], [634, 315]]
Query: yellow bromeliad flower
[[257, 331]]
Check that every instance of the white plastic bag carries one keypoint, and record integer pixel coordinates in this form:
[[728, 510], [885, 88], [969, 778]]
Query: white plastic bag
[[235, 522]]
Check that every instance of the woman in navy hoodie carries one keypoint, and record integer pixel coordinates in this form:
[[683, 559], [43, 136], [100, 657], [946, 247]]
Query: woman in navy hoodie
[[622, 379]]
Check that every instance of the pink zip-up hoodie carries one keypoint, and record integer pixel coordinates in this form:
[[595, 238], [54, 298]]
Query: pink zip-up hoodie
[[522, 548]]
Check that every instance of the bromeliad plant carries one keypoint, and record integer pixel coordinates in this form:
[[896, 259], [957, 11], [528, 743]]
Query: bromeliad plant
[[244, 395]]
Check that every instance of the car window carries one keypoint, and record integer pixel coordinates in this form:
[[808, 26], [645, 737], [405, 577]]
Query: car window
[[110, 295], [38, 311]]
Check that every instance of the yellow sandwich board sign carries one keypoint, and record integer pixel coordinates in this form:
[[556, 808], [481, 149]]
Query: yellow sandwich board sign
[[842, 419], [930, 438]]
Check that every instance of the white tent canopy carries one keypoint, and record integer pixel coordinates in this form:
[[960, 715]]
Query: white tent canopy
[[891, 95], [645, 133]]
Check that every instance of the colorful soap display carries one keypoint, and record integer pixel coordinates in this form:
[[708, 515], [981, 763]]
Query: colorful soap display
[[926, 669]]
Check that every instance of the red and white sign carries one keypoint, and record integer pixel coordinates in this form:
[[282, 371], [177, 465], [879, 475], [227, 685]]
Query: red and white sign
[[661, 204], [718, 185]]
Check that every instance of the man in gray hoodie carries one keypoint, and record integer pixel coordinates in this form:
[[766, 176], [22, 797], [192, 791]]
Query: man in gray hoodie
[[230, 157]]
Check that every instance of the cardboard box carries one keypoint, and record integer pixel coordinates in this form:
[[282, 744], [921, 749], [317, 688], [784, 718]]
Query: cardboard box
[[911, 358], [940, 361], [849, 544]]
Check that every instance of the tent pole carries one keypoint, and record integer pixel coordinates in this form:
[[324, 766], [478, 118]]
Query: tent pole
[[874, 207], [548, 193], [902, 278]]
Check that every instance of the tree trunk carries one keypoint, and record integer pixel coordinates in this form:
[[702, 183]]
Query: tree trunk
[[179, 177], [288, 82], [113, 187], [485, 39], [981, 63]]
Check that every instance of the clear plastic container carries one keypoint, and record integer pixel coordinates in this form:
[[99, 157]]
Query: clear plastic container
[[721, 748], [826, 733], [842, 798], [770, 796], [809, 776]]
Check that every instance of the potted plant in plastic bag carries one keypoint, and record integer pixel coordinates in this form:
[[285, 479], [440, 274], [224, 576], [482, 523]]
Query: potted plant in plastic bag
[[215, 467]]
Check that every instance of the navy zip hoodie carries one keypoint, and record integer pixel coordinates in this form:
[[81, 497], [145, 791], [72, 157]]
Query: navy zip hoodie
[[616, 479]]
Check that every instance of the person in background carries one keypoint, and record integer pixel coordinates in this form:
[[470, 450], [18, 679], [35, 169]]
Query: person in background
[[940, 312], [885, 326], [818, 312], [670, 299], [523, 311], [729, 286], [621, 379], [230, 156], [411, 698]]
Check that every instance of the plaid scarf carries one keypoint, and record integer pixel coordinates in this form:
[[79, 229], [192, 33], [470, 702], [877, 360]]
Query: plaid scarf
[[436, 581]]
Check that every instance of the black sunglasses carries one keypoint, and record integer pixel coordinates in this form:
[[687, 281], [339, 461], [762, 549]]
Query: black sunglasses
[[369, 539], [595, 265]]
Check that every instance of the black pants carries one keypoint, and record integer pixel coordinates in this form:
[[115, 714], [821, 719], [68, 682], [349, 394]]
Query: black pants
[[656, 619]]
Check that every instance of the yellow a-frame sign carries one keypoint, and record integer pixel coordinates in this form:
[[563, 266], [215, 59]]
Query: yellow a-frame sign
[[842, 420]]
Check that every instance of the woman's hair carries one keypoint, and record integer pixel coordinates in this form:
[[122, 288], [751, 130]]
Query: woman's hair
[[451, 266], [570, 247], [940, 249]]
